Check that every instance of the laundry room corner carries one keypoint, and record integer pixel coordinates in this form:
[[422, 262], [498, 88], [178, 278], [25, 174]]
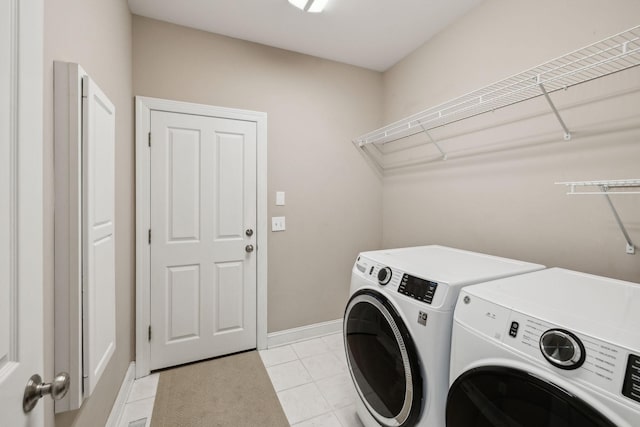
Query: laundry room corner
[[495, 191], [362, 207]]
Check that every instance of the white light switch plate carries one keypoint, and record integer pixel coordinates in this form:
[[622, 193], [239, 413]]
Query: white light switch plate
[[277, 223], [279, 198]]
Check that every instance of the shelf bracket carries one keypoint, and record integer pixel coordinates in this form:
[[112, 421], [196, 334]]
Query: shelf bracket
[[631, 249], [434, 142], [567, 133]]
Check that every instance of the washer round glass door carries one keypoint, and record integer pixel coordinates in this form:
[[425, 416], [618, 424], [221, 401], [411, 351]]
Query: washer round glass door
[[499, 396], [382, 359]]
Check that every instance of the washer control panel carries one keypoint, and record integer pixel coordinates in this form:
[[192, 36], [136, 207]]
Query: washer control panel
[[579, 357], [416, 288], [399, 282]]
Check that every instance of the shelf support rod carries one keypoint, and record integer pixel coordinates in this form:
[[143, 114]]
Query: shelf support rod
[[631, 249], [567, 134], [433, 141]]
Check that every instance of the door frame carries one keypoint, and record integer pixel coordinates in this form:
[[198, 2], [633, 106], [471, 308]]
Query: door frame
[[144, 107]]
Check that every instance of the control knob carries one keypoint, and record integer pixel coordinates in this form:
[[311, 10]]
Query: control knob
[[562, 349], [384, 276]]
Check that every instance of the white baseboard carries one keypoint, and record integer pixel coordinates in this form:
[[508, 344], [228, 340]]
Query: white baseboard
[[121, 400], [302, 333]]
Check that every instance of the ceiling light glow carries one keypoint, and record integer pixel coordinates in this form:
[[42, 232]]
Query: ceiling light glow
[[317, 6], [314, 6], [300, 4]]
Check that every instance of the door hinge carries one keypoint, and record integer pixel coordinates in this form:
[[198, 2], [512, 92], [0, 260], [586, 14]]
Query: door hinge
[[149, 139], [84, 83], [149, 332], [149, 236]]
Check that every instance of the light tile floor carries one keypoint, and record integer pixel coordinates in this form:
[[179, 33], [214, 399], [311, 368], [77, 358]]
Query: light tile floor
[[310, 377], [139, 404], [313, 383]]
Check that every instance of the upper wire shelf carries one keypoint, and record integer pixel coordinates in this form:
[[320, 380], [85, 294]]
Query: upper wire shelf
[[608, 56]]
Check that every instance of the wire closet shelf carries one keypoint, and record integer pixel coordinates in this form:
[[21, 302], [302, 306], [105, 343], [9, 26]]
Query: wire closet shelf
[[608, 56], [613, 186], [607, 188]]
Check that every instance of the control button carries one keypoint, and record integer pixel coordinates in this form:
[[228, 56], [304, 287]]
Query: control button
[[384, 275], [422, 318], [562, 349], [371, 270], [513, 330]]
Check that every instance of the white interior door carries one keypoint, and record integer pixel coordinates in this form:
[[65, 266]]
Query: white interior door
[[98, 259], [21, 234], [203, 223]]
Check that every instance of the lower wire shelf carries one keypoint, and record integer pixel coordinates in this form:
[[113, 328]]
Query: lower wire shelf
[[607, 188]]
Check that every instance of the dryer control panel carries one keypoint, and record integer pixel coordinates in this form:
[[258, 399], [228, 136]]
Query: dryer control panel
[[391, 279], [416, 288]]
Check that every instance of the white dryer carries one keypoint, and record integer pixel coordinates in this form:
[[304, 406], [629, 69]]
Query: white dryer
[[553, 348], [397, 328]]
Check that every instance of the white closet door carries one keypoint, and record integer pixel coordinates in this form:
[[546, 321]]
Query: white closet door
[[98, 146], [21, 219]]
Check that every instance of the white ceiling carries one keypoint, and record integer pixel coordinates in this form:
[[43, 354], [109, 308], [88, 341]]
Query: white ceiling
[[373, 34]]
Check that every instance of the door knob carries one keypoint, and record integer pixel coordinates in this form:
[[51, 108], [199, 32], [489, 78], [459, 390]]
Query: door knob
[[36, 388], [248, 248]]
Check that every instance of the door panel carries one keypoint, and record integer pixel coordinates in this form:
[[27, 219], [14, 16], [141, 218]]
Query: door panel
[[184, 297], [203, 198], [229, 297], [229, 186], [184, 184], [102, 303]]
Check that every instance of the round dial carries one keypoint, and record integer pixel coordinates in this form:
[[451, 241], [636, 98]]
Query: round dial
[[562, 349], [384, 275]]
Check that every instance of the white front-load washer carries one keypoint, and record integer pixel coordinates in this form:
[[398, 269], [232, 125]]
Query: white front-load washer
[[553, 348], [397, 328]]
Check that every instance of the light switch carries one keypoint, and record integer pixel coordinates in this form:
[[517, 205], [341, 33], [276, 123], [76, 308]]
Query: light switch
[[277, 223], [279, 198]]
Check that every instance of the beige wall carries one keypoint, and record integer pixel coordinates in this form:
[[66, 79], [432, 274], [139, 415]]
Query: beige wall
[[97, 35], [500, 199], [314, 108]]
